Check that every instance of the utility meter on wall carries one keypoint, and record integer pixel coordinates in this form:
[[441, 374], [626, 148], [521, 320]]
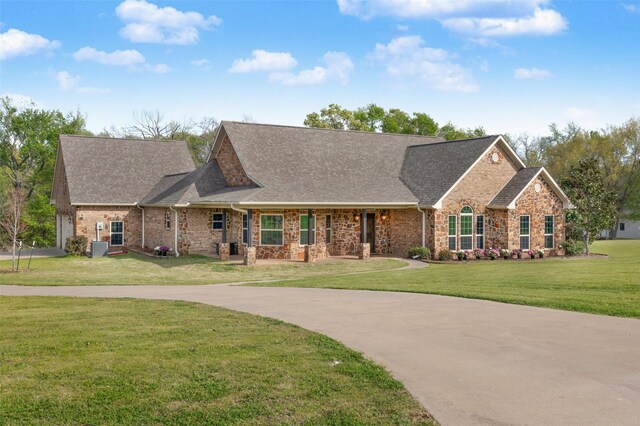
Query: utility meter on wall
[[99, 226]]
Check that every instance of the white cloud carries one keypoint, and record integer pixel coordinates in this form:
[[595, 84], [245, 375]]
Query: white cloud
[[407, 58], [121, 58], [402, 28], [262, 60], [68, 82], [158, 68], [19, 43], [131, 59], [338, 67], [200, 62], [488, 18], [631, 8], [531, 74], [21, 101], [542, 22], [148, 23]]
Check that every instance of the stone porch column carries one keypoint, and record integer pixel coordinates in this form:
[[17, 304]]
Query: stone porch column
[[224, 249], [364, 251], [250, 256]]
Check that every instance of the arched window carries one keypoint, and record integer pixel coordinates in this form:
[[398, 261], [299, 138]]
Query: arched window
[[466, 228]]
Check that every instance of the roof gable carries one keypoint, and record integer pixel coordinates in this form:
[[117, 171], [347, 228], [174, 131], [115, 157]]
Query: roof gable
[[507, 197], [118, 171]]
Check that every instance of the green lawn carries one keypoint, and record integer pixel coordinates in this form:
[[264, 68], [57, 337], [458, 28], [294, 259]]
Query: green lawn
[[96, 361], [135, 269], [599, 285]]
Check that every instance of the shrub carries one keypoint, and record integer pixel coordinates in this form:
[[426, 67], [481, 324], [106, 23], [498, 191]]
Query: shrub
[[574, 247], [76, 245], [445, 254], [420, 252]]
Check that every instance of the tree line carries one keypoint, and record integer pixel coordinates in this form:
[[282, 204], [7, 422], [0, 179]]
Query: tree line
[[29, 140]]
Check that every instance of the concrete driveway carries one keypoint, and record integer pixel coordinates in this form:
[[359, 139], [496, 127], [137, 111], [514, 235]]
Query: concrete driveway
[[467, 361]]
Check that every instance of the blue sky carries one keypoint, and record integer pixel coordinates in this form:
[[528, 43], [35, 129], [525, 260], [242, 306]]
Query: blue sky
[[511, 66]]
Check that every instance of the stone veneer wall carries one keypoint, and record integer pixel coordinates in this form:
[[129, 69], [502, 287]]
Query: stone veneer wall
[[230, 165], [537, 205], [87, 216], [406, 231], [476, 190]]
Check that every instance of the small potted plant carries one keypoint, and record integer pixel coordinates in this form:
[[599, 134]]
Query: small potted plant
[[540, 253], [161, 250], [460, 254], [478, 253], [505, 254], [493, 254], [532, 254], [516, 253]]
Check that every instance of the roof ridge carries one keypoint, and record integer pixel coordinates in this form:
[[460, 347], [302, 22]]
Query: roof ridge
[[456, 140], [326, 129], [120, 139]]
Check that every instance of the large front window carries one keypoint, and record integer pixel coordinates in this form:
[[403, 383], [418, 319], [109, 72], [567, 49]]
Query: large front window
[[271, 233], [304, 229], [524, 232], [452, 232], [548, 232], [466, 228], [117, 233]]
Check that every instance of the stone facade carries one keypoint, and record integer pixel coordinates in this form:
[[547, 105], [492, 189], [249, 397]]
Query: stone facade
[[86, 218], [538, 204], [230, 165], [315, 252], [364, 251]]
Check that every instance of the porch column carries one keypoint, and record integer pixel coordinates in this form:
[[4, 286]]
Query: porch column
[[250, 251], [224, 225], [363, 250], [363, 226]]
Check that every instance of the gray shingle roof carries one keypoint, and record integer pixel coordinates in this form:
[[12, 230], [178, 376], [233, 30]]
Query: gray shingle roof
[[119, 171], [514, 187], [430, 170], [298, 164]]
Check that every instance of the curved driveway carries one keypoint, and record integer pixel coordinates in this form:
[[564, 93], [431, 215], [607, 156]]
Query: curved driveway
[[467, 361]]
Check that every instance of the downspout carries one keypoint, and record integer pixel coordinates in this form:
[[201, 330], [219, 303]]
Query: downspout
[[141, 208], [175, 234], [237, 209], [424, 226]]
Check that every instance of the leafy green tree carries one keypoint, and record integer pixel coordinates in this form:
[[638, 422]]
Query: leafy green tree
[[335, 117], [450, 132], [372, 116], [28, 144], [595, 206]]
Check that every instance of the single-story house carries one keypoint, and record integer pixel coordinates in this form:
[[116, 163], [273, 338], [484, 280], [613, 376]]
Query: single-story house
[[283, 192], [627, 228]]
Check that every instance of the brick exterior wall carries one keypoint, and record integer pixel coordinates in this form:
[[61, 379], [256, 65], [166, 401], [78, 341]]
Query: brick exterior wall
[[86, 218], [406, 231], [230, 165]]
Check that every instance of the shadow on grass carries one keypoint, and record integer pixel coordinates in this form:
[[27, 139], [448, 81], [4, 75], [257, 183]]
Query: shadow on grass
[[172, 261]]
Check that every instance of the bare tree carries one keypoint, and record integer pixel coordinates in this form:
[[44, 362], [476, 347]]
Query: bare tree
[[152, 125], [529, 148], [12, 204]]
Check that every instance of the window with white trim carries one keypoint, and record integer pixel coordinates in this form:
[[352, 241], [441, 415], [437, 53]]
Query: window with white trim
[[327, 230], [245, 228], [304, 229], [217, 221], [525, 222], [480, 231], [452, 232], [117, 233], [466, 228], [548, 231], [271, 230], [167, 220]]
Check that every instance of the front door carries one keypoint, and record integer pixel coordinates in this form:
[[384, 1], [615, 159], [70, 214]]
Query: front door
[[371, 231]]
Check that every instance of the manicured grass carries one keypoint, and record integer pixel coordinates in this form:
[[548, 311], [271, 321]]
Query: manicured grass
[[134, 269], [605, 285], [96, 361]]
